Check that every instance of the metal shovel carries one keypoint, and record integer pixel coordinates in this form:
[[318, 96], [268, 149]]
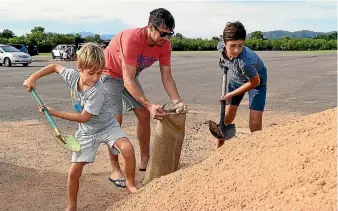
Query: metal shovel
[[68, 142], [221, 131]]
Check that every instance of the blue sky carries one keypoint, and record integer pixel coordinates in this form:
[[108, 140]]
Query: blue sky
[[193, 18]]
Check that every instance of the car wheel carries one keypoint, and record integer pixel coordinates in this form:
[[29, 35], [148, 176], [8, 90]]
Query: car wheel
[[8, 62], [53, 56], [25, 64]]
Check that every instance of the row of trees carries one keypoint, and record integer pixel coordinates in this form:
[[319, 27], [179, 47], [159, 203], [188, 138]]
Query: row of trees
[[258, 42], [47, 41]]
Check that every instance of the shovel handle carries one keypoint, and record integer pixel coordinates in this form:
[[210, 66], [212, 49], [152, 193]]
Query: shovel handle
[[45, 110], [224, 83]]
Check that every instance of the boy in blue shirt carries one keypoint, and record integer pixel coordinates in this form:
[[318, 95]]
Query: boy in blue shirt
[[246, 73], [94, 114]]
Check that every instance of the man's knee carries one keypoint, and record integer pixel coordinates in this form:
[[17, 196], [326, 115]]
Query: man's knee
[[143, 115]]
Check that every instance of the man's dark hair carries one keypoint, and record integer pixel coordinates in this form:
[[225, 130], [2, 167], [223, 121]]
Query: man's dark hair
[[162, 16], [234, 31]]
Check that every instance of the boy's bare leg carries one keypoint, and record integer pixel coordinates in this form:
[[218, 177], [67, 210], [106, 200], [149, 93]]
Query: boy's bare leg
[[230, 111], [74, 175], [116, 171], [129, 162], [256, 119], [143, 134]]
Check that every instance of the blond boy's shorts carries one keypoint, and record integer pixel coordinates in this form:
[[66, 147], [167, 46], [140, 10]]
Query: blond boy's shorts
[[91, 143]]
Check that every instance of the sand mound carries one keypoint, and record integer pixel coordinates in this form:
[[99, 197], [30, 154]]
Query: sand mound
[[285, 167]]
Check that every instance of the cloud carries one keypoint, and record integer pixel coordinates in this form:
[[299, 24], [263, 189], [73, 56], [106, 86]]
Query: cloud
[[193, 18]]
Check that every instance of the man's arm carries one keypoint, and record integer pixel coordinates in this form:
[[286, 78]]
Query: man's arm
[[129, 73], [169, 84]]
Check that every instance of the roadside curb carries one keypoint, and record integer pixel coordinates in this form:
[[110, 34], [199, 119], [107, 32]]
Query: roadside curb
[[45, 60]]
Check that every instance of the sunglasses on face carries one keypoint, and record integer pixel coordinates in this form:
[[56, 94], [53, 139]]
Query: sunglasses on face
[[163, 34]]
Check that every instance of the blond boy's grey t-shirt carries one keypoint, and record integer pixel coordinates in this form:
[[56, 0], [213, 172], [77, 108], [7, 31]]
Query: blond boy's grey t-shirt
[[95, 101]]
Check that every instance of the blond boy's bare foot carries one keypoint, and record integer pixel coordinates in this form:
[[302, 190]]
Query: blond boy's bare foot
[[70, 208]]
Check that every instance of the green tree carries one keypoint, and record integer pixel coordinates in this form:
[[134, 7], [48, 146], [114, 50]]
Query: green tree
[[38, 29], [96, 38], [257, 35], [333, 36], [7, 34], [179, 36]]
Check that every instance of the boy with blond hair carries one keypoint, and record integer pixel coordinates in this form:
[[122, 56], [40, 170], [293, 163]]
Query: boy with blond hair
[[93, 113]]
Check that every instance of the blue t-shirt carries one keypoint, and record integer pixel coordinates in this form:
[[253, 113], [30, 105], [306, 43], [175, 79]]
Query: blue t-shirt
[[94, 100], [244, 67]]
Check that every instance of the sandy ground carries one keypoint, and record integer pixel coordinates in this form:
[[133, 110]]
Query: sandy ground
[[288, 166], [34, 168]]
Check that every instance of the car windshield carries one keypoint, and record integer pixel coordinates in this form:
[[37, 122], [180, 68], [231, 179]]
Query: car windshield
[[9, 49], [17, 46]]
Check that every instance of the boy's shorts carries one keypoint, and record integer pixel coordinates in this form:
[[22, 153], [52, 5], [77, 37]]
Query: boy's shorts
[[257, 96], [121, 100], [90, 143]]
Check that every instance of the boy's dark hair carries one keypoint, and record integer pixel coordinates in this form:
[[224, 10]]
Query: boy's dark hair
[[162, 16], [234, 31]]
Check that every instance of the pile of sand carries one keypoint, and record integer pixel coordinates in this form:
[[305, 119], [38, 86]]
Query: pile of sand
[[285, 167]]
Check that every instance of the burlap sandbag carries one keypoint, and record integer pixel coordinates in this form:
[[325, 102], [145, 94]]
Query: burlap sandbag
[[167, 146]]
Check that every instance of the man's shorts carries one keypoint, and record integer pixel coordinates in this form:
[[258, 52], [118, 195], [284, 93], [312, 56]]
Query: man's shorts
[[90, 143], [121, 100], [257, 96]]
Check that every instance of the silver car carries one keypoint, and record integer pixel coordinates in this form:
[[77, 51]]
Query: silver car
[[10, 55]]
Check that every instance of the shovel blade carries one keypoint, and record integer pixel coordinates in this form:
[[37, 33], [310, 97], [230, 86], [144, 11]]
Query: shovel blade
[[71, 143], [221, 131], [215, 130]]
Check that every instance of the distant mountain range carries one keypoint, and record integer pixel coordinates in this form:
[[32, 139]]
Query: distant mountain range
[[102, 36], [277, 34]]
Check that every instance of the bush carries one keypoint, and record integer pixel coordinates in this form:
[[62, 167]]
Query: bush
[[47, 41]]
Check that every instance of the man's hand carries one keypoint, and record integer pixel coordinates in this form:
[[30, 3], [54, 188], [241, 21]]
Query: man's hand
[[29, 83], [156, 111], [180, 107]]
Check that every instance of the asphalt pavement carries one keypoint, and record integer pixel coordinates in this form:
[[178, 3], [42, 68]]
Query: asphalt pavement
[[303, 83]]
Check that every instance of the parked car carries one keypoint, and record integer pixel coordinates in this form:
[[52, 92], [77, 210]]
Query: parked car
[[79, 46], [57, 51], [33, 49], [30, 49], [20, 47], [10, 55]]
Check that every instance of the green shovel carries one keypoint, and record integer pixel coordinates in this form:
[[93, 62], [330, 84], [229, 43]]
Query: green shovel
[[67, 141]]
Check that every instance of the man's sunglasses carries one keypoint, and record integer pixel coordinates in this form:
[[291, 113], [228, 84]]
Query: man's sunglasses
[[163, 34]]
